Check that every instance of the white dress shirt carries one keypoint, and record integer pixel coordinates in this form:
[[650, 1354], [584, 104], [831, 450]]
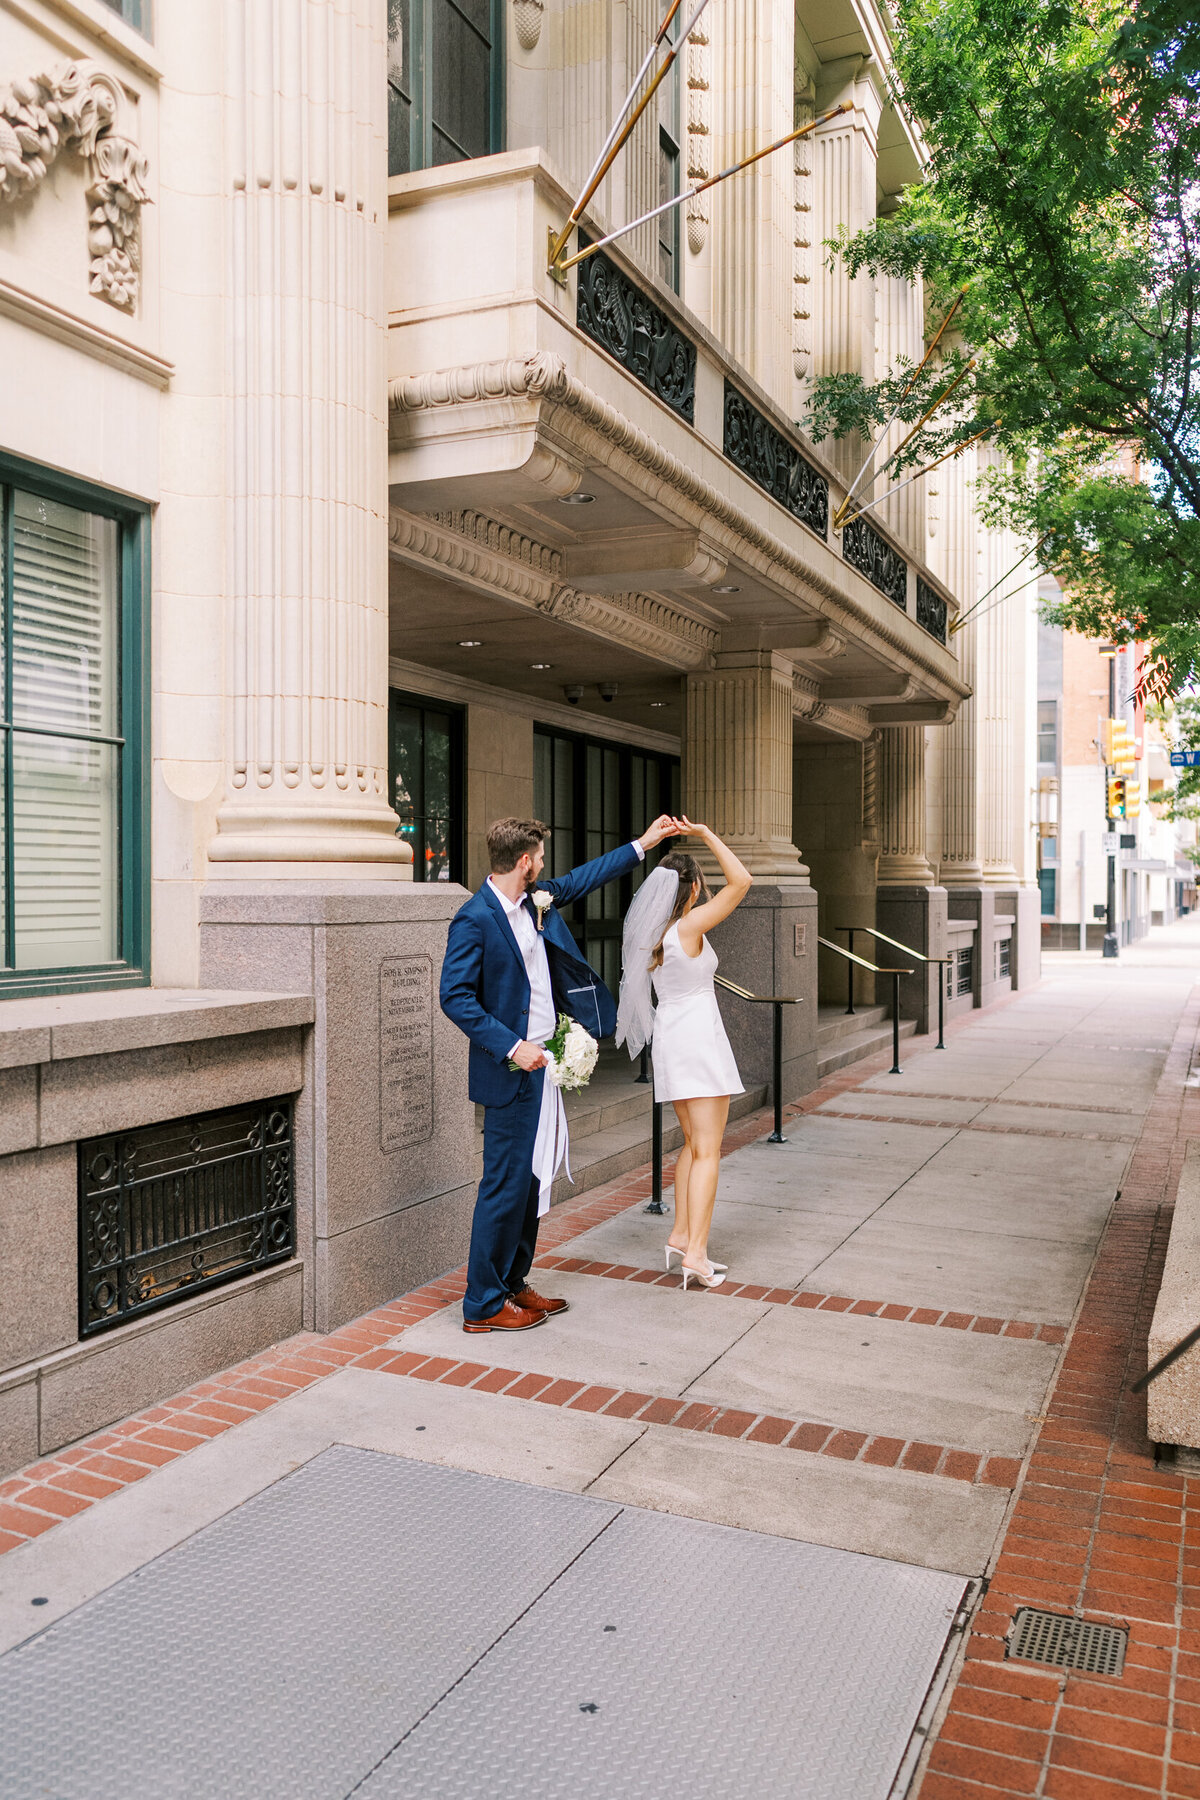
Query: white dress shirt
[[532, 945]]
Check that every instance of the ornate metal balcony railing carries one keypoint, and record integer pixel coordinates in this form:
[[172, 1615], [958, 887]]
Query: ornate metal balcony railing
[[622, 320], [931, 611], [764, 454], [873, 556], [168, 1210]]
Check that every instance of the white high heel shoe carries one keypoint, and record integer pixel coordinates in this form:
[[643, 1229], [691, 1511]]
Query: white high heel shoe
[[671, 1250], [711, 1280]]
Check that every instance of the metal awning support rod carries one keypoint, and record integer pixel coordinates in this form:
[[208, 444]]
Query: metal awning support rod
[[560, 268], [903, 397], [621, 126], [840, 520]]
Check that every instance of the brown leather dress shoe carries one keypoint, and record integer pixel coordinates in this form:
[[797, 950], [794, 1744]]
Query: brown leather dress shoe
[[509, 1318], [537, 1302]]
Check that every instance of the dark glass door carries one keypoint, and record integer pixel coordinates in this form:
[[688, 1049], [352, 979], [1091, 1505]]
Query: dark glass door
[[425, 773], [595, 796]]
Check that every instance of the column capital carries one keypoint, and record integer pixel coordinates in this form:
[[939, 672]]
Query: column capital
[[737, 763]]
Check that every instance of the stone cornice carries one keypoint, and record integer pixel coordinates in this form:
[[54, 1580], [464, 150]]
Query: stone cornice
[[584, 422], [502, 561]]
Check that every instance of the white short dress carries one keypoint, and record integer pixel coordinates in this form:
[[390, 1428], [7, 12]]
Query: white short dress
[[692, 1057]]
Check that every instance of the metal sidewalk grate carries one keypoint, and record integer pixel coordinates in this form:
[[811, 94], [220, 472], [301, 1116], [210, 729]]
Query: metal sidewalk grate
[[1067, 1643]]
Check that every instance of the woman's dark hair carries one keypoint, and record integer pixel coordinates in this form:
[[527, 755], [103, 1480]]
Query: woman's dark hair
[[689, 872]]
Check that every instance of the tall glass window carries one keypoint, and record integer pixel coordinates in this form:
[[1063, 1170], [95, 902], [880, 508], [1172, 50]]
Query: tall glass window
[[425, 770], [1047, 731], [72, 902], [444, 82], [595, 796], [135, 12]]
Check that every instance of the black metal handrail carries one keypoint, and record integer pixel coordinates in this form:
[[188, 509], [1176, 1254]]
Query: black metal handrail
[[875, 970], [908, 950], [778, 1002]]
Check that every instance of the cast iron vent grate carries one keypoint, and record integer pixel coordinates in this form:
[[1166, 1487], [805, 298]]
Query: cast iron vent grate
[[168, 1210], [1066, 1643]]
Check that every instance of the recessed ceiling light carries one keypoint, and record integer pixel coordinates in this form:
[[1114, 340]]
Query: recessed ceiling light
[[576, 499], [727, 589], [658, 703], [541, 665], [470, 643]]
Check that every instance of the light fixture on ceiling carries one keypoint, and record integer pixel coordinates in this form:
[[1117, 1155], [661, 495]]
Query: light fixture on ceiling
[[470, 643], [728, 588], [541, 665], [576, 499]]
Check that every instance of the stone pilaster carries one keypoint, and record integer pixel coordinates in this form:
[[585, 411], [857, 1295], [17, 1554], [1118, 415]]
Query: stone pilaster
[[753, 215], [902, 859], [844, 154], [953, 554], [737, 764], [306, 508]]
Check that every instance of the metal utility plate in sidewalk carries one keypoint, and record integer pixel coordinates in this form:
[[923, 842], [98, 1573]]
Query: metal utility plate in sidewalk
[[389, 1628]]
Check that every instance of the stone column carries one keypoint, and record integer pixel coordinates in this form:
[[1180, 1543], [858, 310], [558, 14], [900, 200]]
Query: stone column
[[737, 778], [909, 905], [753, 214], [902, 859], [844, 154], [737, 767], [954, 556], [306, 509]]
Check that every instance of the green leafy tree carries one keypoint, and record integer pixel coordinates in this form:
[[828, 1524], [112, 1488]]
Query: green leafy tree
[[1063, 194]]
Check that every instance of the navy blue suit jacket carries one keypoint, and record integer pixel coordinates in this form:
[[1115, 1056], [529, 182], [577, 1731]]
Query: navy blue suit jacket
[[485, 989]]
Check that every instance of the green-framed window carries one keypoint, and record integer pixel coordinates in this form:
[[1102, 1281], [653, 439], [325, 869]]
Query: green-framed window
[[74, 878], [135, 12], [445, 82]]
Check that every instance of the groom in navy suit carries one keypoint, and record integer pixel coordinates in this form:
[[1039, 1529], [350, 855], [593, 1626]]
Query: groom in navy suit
[[505, 979]]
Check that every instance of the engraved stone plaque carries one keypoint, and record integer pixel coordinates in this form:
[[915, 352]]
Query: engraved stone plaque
[[800, 931], [405, 1051]]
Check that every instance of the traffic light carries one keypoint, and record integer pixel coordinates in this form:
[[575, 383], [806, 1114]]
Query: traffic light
[[1116, 797], [1133, 799], [1119, 747]]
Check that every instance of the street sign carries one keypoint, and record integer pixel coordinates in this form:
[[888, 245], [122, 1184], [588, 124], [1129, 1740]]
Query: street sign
[[1185, 759], [1108, 842]]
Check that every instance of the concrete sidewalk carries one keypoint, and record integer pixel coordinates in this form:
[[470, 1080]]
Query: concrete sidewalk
[[904, 1273]]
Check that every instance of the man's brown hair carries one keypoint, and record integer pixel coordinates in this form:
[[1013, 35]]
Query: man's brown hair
[[508, 840]]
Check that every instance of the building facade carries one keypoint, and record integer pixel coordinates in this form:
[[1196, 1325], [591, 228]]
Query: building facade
[[336, 524]]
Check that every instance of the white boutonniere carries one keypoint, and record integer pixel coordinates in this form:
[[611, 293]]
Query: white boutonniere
[[543, 902]]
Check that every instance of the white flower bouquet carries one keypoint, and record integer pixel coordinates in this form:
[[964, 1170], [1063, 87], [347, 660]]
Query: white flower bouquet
[[571, 1055]]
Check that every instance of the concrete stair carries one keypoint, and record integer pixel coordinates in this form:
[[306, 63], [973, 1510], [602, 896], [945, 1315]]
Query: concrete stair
[[844, 1038]]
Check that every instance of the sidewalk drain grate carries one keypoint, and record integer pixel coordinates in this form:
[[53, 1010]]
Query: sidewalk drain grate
[[1066, 1643]]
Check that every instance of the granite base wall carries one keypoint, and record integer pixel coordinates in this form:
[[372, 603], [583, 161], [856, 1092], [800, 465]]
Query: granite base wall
[[769, 945]]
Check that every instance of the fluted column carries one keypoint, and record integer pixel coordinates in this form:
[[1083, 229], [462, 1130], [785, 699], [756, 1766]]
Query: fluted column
[[994, 699], [953, 554], [902, 859], [753, 214], [306, 511], [737, 764], [844, 155]]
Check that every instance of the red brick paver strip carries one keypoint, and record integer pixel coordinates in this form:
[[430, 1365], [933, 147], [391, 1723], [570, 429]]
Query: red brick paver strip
[[1097, 1530]]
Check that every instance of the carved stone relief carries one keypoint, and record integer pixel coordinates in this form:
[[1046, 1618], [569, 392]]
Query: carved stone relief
[[765, 455], [75, 109], [527, 18], [699, 133], [625, 322]]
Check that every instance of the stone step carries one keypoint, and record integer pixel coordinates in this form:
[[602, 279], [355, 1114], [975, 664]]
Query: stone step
[[834, 1022], [852, 1048]]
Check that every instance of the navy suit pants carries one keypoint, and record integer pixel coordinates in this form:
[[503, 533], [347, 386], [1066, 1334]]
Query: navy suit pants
[[504, 1228]]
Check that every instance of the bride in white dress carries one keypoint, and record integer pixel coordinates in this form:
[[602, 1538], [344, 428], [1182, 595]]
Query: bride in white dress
[[665, 949]]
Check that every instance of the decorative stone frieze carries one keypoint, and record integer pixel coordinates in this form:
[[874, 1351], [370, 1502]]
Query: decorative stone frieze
[[75, 109], [601, 435], [865, 550], [931, 611], [622, 320], [764, 454], [699, 133], [802, 233], [505, 562]]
